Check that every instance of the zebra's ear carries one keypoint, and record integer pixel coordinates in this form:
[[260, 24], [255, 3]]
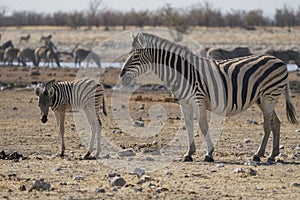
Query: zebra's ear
[[142, 40], [132, 36], [38, 91], [51, 92]]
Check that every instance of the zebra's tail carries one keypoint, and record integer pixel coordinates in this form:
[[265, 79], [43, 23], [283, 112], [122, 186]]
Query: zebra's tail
[[104, 107], [290, 110]]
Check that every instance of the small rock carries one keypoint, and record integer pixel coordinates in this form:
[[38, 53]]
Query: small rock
[[281, 147], [78, 178], [252, 172], [115, 188], [298, 147], [140, 182], [126, 152], [154, 142], [213, 170], [289, 170], [169, 173], [117, 181], [22, 188], [259, 188], [15, 108], [281, 155], [239, 170], [40, 185], [163, 189], [139, 124], [149, 159], [295, 184], [111, 174], [251, 121], [139, 189], [297, 131], [139, 172], [250, 163], [247, 141], [142, 107], [220, 165], [100, 190], [63, 183]]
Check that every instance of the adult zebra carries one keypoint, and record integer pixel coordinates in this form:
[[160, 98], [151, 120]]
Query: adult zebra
[[84, 94], [224, 87]]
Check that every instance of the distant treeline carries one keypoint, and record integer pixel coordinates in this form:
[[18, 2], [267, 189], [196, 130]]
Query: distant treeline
[[196, 15]]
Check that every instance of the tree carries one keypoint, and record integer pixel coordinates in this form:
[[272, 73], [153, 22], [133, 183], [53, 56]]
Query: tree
[[93, 11]]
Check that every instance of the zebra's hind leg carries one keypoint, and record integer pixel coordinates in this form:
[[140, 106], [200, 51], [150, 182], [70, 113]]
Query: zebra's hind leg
[[60, 118], [275, 126], [187, 111], [91, 119], [267, 110]]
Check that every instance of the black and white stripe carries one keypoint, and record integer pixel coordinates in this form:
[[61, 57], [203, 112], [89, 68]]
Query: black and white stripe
[[61, 97], [224, 87]]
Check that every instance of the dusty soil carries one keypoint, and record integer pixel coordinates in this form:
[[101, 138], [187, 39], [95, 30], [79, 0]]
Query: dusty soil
[[73, 178]]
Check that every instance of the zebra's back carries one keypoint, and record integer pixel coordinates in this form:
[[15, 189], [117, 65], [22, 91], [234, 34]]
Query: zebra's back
[[77, 94]]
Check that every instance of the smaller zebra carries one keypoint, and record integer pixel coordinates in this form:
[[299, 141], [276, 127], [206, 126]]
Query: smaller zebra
[[82, 54], [85, 94], [45, 38]]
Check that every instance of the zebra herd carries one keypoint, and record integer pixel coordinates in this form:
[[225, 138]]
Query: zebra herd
[[224, 87], [47, 52]]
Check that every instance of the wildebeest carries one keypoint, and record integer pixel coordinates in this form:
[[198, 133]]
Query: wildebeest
[[222, 54]]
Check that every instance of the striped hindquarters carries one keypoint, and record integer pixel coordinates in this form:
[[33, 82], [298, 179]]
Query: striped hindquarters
[[235, 84]]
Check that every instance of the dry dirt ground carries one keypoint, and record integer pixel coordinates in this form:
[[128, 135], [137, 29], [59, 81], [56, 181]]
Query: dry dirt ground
[[71, 177]]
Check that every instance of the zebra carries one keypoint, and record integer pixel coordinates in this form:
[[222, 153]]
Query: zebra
[[222, 54], [85, 94], [226, 87], [81, 54], [26, 54], [46, 52], [286, 56], [10, 54], [24, 38]]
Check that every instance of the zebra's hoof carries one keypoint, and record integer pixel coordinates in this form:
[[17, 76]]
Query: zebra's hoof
[[208, 159], [256, 158], [87, 156], [187, 159], [270, 161]]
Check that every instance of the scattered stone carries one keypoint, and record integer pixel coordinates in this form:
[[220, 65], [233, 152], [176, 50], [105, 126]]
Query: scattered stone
[[220, 165], [169, 173], [126, 152], [163, 189], [298, 147], [252, 172], [140, 182], [289, 170], [22, 188], [281, 155], [117, 181], [154, 142], [247, 141], [63, 183], [115, 188], [239, 170], [259, 188], [139, 189], [149, 159], [40, 185], [15, 108], [139, 124], [297, 131], [153, 152], [251, 121], [116, 131], [281, 147], [295, 184], [78, 178], [139, 172], [112, 174], [142, 107], [213, 170], [15, 156], [250, 163], [239, 146], [100, 190], [35, 73]]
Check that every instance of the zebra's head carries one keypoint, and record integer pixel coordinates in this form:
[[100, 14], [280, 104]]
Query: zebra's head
[[139, 60], [45, 99]]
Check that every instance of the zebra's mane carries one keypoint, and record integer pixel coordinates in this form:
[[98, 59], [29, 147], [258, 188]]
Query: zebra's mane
[[153, 41]]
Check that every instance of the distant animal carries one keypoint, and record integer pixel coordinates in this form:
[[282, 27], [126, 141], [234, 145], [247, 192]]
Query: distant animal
[[45, 38], [26, 54], [7, 44], [24, 38], [82, 54], [46, 52], [62, 97], [10, 54], [225, 87], [222, 54], [286, 56]]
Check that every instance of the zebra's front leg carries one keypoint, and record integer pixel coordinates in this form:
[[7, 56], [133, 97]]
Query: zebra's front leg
[[62, 132], [187, 111]]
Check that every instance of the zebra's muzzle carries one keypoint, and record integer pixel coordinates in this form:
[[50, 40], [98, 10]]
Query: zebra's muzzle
[[44, 119]]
